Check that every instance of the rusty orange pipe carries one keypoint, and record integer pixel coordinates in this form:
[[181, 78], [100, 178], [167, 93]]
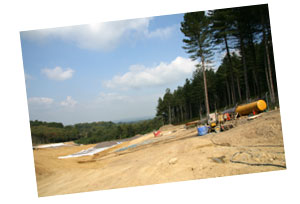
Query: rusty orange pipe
[[257, 106]]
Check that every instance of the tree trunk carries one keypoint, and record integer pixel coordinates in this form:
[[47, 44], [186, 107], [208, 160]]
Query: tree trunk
[[254, 70], [205, 87], [170, 117], [230, 71], [175, 114], [239, 88], [272, 93], [267, 75], [191, 112], [186, 112], [245, 68], [228, 92], [215, 106], [226, 99], [181, 111], [265, 40], [200, 111]]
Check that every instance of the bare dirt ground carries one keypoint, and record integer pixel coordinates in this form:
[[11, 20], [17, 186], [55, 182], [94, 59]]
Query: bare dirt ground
[[178, 155]]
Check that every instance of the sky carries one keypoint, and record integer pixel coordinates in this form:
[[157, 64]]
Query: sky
[[109, 71]]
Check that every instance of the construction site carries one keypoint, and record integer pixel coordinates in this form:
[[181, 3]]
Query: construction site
[[247, 139]]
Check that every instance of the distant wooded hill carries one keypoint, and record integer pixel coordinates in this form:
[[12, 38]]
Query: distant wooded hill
[[88, 133]]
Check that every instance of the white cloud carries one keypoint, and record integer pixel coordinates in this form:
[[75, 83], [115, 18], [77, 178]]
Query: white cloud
[[101, 36], [58, 73], [40, 100], [69, 102], [141, 76], [161, 32]]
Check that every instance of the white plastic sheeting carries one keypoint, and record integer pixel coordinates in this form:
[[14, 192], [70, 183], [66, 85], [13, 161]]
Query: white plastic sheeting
[[87, 152], [50, 145]]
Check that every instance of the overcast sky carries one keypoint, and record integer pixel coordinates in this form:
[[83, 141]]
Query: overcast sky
[[103, 72]]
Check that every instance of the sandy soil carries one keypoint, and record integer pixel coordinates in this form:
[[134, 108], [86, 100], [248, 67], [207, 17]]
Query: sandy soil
[[178, 155]]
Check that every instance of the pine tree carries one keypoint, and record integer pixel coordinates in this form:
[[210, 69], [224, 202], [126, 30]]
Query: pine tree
[[196, 29], [222, 28]]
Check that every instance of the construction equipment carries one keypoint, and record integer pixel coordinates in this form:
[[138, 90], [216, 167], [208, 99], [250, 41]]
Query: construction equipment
[[213, 127], [213, 120], [223, 121]]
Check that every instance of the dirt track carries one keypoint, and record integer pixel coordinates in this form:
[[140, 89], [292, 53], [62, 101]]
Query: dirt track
[[178, 155]]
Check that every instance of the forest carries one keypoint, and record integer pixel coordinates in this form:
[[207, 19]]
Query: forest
[[89, 133], [247, 71]]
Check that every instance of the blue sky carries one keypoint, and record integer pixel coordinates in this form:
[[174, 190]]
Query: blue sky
[[103, 72]]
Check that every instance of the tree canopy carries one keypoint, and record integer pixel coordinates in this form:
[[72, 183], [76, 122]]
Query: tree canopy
[[247, 72]]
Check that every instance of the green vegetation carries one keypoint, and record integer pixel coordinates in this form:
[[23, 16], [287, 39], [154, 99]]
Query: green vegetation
[[247, 71], [88, 133]]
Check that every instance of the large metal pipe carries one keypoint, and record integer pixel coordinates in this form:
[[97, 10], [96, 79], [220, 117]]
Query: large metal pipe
[[257, 106]]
